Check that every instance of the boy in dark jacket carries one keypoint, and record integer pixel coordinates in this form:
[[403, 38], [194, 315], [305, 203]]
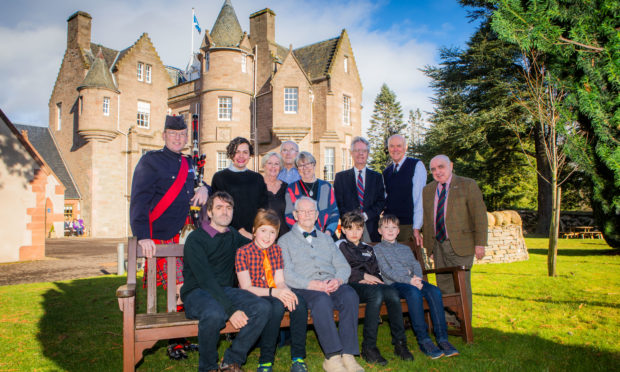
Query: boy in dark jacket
[[368, 283]]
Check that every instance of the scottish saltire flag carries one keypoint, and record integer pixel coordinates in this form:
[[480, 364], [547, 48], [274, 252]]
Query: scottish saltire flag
[[196, 24]]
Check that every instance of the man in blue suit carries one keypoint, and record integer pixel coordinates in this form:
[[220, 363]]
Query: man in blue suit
[[361, 189]]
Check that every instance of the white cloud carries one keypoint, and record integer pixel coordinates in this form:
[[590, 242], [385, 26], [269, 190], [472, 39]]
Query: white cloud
[[32, 50]]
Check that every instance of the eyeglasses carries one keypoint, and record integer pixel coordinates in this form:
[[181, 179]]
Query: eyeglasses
[[360, 151], [308, 212], [306, 165], [176, 134], [288, 151]]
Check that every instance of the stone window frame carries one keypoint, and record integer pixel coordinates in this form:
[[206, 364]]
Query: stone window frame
[[224, 108], [140, 71], [58, 115], [291, 100], [148, 69], [106, 106], [330, 163], [68, 211], [244, 63], [346, 110], [223, 161], [143, 119], [346, 64]]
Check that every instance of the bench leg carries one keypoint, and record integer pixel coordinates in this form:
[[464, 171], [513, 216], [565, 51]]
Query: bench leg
[[129, 361], [468, 335]]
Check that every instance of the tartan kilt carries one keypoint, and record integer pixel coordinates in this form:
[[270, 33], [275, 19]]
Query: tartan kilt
[[161, 266]]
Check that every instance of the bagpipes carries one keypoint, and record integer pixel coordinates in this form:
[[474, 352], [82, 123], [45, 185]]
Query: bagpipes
[[198, 163]]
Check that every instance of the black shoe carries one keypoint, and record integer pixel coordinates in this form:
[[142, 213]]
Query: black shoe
[[402, 351], [176, 352], [373, 356]]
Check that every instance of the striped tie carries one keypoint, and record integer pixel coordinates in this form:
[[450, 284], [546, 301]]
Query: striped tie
[[440, 222], [360, 190]]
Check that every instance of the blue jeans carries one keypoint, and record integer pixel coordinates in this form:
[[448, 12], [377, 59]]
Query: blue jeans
[[199, 304], [334, 340], [414, 297], [269, 337]]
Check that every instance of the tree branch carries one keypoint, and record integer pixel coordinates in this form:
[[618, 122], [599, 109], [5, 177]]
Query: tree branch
[[569, 41]]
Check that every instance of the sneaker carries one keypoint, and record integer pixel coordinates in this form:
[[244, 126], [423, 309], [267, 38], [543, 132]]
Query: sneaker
[[232, 367], [265, 367], [448, 349], [176, 352], [334, 364], [299, 365], [188, 346], [402, 351], [351, 364], [431, 350], [373, 356]]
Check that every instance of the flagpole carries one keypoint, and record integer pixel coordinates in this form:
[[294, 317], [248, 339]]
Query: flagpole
[[191, 52]]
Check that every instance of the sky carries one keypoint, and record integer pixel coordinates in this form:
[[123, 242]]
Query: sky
[[392, 40]]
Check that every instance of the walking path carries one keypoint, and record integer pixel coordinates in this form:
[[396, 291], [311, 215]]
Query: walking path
[[66, 258]]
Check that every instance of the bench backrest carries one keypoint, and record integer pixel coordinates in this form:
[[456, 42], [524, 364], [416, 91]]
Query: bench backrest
[[168, 251]]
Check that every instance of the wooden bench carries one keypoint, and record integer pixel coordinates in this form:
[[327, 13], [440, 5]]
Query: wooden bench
[[142, 331]]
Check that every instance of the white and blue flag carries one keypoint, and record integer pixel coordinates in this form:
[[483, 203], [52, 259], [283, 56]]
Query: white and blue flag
[[196, 24]]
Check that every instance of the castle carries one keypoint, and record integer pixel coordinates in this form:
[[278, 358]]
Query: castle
[[107, 107]]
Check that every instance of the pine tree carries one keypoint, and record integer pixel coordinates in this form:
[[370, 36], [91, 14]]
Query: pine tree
[[416, 128], [386, 120]]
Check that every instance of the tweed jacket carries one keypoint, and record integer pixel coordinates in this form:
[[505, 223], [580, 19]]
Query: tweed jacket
[[466, 216], [319, 260]]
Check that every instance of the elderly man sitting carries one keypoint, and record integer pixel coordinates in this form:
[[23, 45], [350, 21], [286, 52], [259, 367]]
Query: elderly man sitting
[[316, 270]]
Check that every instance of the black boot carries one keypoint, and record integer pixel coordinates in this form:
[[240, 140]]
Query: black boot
[[401, 350], [373, 356]]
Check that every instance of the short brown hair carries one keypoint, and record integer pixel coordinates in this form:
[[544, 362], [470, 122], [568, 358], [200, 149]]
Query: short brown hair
[[267, 217], [231, 149], [387, 218], [352, 218], [223, 196]]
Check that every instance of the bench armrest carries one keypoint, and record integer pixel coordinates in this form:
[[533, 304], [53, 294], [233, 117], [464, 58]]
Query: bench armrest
[[446, 270], [126, 290]]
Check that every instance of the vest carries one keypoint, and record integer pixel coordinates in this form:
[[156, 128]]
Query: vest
[[399, 189]]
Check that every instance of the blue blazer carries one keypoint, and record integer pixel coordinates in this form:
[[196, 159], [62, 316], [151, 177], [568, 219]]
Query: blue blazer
[[374, 197]]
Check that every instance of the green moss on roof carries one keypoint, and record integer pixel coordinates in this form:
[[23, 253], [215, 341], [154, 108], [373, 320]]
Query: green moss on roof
[[98, 75], [108, 54], [316, 58], [226, 31]]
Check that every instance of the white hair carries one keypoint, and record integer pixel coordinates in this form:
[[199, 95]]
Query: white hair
[[441, 157], [359, 139], [289, 142], [305, 198]]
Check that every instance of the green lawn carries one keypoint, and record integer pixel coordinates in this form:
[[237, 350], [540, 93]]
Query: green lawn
[[523, 321]]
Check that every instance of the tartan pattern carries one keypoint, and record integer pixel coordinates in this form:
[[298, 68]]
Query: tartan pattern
[[440, 223], [360, 190], [250, 258], [161, 266]]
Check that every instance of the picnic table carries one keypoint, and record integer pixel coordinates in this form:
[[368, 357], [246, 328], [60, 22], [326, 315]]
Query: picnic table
[[582, 232]]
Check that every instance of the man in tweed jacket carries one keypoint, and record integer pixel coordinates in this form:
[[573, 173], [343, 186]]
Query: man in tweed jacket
[[316, 270]]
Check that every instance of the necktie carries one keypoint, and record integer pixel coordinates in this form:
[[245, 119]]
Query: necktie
[[395, 168], [440, 222], [268, 271], [307, 234], [360, 190]]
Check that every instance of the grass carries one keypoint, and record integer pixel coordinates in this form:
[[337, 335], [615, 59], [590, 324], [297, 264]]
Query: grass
[[523, 321]]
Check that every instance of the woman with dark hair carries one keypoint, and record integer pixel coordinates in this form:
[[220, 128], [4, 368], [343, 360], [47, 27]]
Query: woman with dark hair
[[247, 188], [314, 188]]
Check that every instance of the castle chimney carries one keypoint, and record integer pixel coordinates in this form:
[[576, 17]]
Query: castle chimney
[[78, 30], [263, 26]]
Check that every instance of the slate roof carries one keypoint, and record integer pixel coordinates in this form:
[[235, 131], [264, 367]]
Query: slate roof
[[99, 75], [108, 54], [43, 142], [226, 31], [316, 58]]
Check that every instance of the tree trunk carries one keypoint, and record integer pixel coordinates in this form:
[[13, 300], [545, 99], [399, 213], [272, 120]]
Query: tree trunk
[[554, 229], [545, 202]]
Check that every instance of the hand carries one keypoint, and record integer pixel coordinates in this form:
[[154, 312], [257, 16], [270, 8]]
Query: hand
[[317, 285], [417, 237], [200, 196], [332, 285], [479, 252], [245, 233], [371, 279], [148, 247], [238, 319], [416, 281], [288, 298]]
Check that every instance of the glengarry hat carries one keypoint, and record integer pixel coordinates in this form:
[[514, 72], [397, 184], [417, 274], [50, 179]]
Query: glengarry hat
[[175, 123]]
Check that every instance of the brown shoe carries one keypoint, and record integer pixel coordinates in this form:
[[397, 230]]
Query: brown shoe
[[351, 364], [233, 367], [334, 364]]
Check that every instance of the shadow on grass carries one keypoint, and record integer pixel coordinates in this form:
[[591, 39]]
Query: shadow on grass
[[577, 252], [81, 328], [551, 300]]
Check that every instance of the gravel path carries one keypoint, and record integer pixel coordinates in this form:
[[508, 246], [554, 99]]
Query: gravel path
[[66, 258]]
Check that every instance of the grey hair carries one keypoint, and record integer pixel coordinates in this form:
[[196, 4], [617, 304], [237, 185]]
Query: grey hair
[[268, 156], [304, 156], [397, 135], [305, 198], [440, 157], [292, 143], [359, 139]]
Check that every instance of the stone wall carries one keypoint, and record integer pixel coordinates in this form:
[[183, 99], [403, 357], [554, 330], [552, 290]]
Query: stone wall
[[505, 244]]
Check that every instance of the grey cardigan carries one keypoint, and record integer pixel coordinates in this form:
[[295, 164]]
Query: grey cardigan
[[319, 260], [396, 262]]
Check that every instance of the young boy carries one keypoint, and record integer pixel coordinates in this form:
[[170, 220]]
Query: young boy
[[402, 271], [259, 270], [368, 283]]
